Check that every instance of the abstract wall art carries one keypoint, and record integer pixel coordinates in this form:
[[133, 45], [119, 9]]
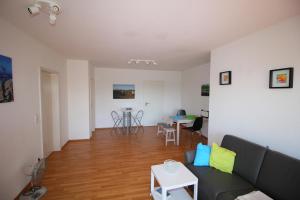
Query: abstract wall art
[[6, 80], [281, 78], [225, 78]]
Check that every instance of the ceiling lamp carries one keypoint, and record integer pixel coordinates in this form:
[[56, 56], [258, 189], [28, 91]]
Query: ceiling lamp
[[138, 61], [53, 7]]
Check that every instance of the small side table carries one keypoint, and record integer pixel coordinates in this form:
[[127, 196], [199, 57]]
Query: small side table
[[173, 183]]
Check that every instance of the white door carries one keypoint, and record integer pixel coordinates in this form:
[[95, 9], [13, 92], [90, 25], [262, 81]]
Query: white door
[[153, 102], [50, 113]]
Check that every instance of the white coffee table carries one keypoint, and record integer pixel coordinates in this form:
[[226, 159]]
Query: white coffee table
[[173, 183]]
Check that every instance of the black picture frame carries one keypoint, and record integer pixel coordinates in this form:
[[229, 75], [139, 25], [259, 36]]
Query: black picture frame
[[221, 81], [205, 90], [286, 73]]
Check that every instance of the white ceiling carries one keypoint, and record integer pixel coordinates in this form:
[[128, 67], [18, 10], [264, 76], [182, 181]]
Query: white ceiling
[[178, 34]]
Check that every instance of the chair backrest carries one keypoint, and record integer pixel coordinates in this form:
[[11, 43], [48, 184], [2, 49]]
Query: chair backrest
[[139, 115], [181, 113], [197, 124], [115, 116]]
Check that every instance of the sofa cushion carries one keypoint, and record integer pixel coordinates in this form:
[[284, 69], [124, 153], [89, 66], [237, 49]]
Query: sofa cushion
[[202, 155], [249, 157], [212, 182], [222, 158], [279, 176], [189, 156]]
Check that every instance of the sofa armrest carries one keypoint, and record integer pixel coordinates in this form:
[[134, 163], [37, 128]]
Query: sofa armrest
[[189, 156]]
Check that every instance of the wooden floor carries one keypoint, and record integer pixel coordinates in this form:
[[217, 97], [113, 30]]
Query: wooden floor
[[111, 165]]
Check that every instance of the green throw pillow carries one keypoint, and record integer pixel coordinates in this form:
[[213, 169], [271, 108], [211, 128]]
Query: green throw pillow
[[221, 158]]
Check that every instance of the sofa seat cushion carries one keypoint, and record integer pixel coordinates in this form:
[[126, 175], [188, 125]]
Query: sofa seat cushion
[[212, 182]]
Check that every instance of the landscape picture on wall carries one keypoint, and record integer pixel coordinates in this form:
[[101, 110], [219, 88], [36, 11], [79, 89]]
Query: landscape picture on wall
[[123, 91], [205, 90], [6, 81]]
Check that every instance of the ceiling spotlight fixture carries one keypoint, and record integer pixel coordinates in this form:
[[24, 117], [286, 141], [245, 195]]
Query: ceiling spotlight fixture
[[52, 18], [34, 9], [137, 61], [53, 7]]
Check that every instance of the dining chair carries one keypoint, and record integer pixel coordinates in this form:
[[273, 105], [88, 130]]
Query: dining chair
[[116, 119], [181, 112], [197, 125], [165, 123], [137, 119], [170, 134]]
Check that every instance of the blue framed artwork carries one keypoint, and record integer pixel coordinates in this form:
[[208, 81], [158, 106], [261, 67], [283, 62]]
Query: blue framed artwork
[[6, 80], [123, 91]]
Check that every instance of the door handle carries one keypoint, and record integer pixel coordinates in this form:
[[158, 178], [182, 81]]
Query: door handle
[[147, 103]]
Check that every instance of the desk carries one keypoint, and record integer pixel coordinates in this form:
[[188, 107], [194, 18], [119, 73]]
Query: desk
[[180, 120]]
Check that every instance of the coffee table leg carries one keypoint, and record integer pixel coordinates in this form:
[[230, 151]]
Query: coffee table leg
[[152, 182], [164, 194], [195, 191]]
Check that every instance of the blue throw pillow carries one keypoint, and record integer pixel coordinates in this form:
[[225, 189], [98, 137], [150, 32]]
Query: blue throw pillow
[[202, 155]]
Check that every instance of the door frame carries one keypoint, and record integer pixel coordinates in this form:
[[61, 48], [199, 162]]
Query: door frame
[[39, 117]]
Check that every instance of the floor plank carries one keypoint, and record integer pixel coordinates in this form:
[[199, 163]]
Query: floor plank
[[111, 165]]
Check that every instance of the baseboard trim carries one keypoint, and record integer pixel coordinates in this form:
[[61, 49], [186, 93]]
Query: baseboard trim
[[79, 140], [64, 146], [26, 188], [103, 128]]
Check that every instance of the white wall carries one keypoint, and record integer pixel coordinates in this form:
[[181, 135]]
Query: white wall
[[20, 133], [78, 99], [104, 79], [192, 80], [248, 108]]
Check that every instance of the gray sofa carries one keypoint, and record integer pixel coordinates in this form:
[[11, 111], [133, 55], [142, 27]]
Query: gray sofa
[[255, 168]]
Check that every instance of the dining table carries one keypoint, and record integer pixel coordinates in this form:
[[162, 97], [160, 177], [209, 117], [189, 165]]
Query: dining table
[[127, 113], [180, 120]]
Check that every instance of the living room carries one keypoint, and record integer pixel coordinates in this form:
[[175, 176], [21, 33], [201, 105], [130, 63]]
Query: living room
[[167, 50]]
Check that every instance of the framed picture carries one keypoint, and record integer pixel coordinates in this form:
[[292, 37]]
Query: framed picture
[[225, 78], [281, 78], [205, 90], [6, 80], [123, 91]]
